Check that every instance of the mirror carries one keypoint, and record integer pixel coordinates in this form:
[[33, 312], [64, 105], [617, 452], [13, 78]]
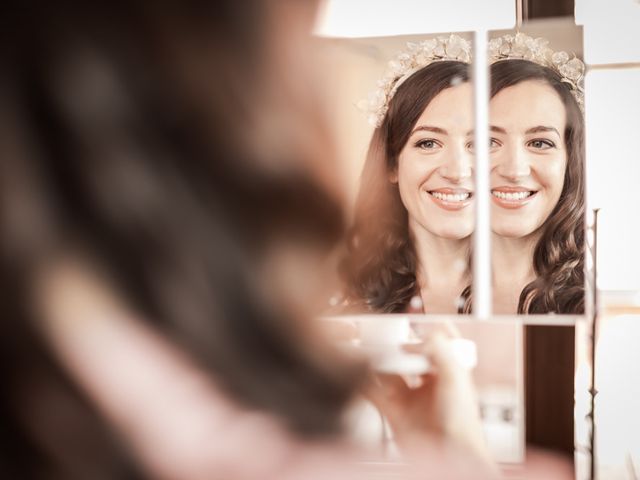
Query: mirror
[[536, 181], [409, 246], [411, 189]]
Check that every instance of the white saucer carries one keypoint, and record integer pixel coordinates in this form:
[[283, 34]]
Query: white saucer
[[356, 342], [401, 363]]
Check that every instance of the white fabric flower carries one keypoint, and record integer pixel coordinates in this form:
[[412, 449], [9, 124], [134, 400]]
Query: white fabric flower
[[560, 57]]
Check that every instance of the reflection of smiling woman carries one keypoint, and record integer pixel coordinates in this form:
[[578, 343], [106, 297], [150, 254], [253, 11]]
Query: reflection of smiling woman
[[537, 210], [414, 212], [537, 190]]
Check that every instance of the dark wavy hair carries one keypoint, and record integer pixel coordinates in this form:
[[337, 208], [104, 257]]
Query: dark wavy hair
[[558, 258], [379, 268]]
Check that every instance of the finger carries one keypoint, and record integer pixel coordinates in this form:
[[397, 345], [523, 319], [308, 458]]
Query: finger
[[417, 347], [413, 382], [450, 328], [388, 392], [439, 351], [391, 384]]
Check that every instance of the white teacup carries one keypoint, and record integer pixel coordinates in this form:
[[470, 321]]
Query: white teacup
[[384, 331]]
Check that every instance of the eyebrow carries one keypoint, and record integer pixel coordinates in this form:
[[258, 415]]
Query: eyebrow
[[536, 129], [492, 128], [429, 128], [542, 128]]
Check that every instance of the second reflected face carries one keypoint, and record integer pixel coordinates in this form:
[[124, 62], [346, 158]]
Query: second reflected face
[[434, 172], [528, 157]]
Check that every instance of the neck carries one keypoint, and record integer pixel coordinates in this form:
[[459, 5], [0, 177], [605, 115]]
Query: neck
[[442, 262], [512, 267]]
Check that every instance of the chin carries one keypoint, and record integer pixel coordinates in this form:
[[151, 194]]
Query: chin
[[513, 231], [455, 234]]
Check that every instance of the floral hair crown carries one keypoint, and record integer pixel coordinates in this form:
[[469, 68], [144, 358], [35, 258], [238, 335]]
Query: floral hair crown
[[416, 57], [456, 48], [521, 46]]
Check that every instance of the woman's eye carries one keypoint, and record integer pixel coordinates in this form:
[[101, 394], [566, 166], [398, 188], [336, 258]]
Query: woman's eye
[[541, 144], [493, 143], [427, 144]]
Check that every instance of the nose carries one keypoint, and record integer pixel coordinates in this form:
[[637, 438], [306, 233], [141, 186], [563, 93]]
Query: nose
[[457, 166], [512, 163]]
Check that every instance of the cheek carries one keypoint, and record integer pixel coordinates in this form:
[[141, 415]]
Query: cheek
[[406, 174], [410, 180], [413, 170], [552, 173]]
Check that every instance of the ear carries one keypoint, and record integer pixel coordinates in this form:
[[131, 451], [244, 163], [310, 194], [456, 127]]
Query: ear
[[393, 175]]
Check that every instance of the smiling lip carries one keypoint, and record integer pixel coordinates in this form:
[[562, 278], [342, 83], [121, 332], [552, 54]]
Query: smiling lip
[[512, 197], [451, 198]]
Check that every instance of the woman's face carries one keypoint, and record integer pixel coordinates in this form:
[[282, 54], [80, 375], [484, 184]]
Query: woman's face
[[528, 157], [434, 172]]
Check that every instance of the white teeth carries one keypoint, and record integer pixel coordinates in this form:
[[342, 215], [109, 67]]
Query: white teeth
[[451, 197], [512, 196]]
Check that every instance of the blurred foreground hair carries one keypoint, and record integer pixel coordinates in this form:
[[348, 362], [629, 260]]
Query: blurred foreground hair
[[130, 133]]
